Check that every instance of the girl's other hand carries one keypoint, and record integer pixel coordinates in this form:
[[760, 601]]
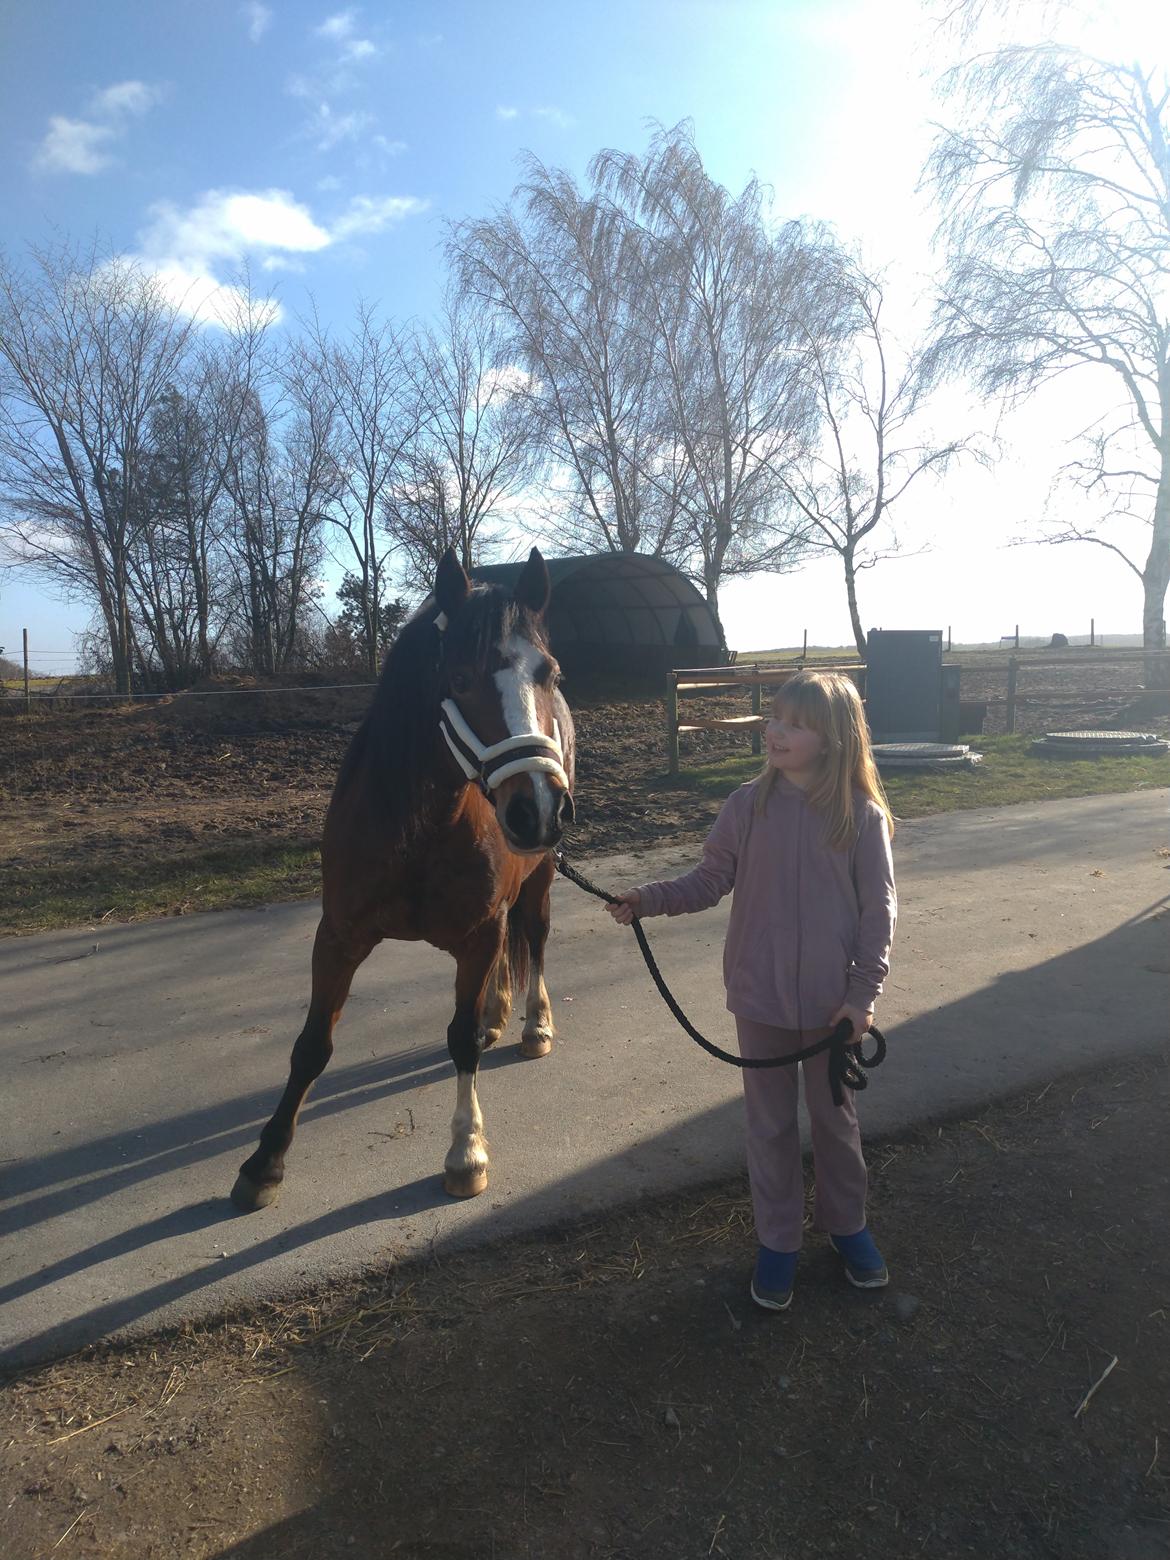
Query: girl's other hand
[[860, 1018], [629, 903]]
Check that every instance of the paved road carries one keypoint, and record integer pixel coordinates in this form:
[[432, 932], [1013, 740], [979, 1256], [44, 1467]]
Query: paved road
[[141, 1061]]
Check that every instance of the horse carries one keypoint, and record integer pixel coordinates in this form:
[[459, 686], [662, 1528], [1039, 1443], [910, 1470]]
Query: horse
[[449, 802]]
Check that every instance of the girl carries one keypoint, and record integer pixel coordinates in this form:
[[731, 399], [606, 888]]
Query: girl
[[806, 847]]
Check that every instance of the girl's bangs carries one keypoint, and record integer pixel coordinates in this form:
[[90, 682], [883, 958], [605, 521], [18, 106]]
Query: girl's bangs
[[808, 702]]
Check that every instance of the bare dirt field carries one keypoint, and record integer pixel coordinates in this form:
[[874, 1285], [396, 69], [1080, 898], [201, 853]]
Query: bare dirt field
[[98, 802], [608, 1392]]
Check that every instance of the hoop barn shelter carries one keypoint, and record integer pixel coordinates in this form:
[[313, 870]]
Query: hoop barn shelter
[[623, 613]]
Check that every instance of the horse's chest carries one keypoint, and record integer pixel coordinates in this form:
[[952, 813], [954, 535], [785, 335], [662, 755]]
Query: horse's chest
[[439, 902]]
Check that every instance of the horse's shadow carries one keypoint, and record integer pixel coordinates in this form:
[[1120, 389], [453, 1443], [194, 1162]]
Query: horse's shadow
[[129, 1158], [398, 1203]]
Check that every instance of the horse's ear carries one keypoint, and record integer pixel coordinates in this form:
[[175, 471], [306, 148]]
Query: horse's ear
[[532, 588], [452, 587]]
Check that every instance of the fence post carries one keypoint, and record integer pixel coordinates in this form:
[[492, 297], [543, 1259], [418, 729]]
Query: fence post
[[948, 639], [672, 722], [804, 652], [27, 695], [1017, 636], [756, 749], [1092, 632], [1013, 670]]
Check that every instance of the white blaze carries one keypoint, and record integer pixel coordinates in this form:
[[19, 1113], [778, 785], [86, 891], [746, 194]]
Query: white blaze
[[517, 684]]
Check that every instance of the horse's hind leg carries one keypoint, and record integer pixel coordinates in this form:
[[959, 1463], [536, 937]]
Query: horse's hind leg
[[497, 1002], [334, 964], [465, 1170], [535, 917]]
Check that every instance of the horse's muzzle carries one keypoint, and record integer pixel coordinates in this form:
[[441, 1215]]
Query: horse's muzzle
[[527, 830]]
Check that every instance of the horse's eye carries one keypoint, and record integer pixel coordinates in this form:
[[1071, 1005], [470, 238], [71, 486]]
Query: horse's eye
[[460, 684]]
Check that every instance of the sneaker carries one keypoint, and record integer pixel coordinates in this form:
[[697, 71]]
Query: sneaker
[[864, 1267], [771, 1285]]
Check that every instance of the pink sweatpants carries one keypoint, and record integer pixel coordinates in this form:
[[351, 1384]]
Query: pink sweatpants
[[774, 1160]]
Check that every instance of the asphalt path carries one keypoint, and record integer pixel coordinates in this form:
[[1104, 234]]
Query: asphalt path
[[141, 1061]]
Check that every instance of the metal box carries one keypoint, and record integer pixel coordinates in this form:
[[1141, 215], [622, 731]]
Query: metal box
[[903, 684]]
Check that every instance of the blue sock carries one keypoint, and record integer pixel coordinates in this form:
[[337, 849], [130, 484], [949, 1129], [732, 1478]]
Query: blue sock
[[859, 1250], [775, 1270]]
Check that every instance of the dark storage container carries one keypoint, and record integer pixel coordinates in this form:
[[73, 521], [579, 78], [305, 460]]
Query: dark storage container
[[904, 685]]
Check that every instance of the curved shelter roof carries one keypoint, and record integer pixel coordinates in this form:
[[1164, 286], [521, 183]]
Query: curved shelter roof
[[613, 611]]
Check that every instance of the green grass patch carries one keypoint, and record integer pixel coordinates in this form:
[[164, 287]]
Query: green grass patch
[[45, 898], [1008, 773]]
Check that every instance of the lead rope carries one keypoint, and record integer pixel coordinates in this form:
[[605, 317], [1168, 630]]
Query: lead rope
[[846, 1058]]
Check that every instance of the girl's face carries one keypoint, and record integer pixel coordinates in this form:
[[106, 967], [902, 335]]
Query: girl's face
[[795, 750]]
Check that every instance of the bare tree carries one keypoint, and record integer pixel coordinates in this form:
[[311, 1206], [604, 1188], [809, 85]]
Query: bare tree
[[88, 348], [282, 478], [1055, 204], [558, 267], [871, 399], [735, 309], [475, 444], [365, 378]]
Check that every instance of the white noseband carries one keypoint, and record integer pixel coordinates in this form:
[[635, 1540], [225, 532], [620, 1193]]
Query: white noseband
[[533, 753]]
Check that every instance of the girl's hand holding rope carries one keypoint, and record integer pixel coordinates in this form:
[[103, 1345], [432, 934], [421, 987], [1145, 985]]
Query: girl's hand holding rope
[[629, 902]]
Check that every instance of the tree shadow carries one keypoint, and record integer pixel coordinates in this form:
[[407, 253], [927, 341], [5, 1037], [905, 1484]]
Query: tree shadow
[[1088, 1007]]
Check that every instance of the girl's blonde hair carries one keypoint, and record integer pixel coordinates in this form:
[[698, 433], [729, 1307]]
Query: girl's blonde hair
[[829, 704]]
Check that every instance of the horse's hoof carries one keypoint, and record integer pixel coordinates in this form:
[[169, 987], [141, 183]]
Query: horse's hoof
[[532, 1046], [248, 1197], [465, 1183], [490, 1036]]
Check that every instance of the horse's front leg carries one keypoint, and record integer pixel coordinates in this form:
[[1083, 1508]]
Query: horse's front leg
[[334, 963], [465, 1170], [535, 918]]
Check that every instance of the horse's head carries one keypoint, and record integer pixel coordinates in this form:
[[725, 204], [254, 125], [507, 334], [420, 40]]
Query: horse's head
[[499, 681]]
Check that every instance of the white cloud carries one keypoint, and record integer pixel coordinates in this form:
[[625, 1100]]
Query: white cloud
[[387, 147], [225, 225], [124, 97], [337, 28], [74, 146], [328, 129], [372, 213], [341, 29], [84, 145], [555, 116], [186, 247], [258, 18]]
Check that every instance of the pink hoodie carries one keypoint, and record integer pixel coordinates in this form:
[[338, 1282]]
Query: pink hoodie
[[810, 927]]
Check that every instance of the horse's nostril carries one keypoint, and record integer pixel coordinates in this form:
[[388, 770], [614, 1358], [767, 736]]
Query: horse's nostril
[[522, 817], [565, 810]]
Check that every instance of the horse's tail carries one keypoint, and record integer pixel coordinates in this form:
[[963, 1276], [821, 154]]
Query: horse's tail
[[518, 953]]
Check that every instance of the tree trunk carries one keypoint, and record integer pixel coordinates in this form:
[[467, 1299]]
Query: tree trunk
[[851, 596], [1155, 581]]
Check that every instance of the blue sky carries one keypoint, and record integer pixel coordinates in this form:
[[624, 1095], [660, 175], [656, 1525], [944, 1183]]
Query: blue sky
[[328, 145]]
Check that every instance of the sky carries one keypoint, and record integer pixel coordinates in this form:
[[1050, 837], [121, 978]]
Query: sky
[[326, 147]]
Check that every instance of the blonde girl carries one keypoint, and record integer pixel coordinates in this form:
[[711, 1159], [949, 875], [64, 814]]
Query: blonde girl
[[806, 847]]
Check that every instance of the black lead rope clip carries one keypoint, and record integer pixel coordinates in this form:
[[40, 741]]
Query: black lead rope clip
[[846, 1056]]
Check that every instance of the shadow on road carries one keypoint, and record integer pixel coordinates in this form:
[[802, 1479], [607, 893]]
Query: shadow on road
[[1090, 1005]]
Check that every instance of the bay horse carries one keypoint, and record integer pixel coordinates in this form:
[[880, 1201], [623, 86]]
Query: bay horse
[[448, 804]]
